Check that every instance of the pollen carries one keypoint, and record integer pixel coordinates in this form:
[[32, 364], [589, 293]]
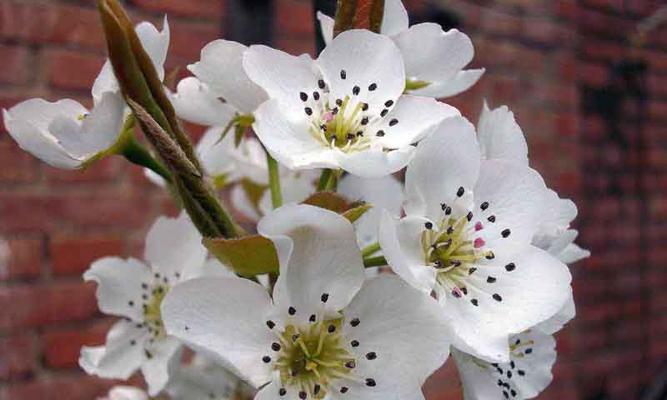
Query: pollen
[[311, 357], [152, 313]]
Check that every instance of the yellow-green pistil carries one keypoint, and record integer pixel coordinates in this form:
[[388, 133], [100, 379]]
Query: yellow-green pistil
[[152, 313], [449, 248], [311, 357], [341, 124]]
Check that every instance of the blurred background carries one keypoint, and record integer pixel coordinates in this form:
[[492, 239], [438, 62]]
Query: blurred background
[[589, 92]]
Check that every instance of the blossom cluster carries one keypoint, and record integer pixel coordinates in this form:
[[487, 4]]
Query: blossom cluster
[[472, 245]]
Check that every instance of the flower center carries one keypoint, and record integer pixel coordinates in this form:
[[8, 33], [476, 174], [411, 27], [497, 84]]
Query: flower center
[[448, 247], [152, 313], [341, 124], [311, 357]]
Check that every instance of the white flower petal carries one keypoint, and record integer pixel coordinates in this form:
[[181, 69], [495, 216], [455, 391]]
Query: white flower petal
[[271, 392], [500, 137], [524, 378], [452, 86], [515, 195], [221, 68], [155, 43], [28, 124], [195, 102], [105, 82], [203, 379], [326, 26], [174, 245], [242, 203], [296, 187], [395, 19], [289, 140], [102, 127], [573, 253], [126, 393], [530, 291], [402, 247], [432, 55], [281, 75], [211, 267], [444, 162], [165, 356], [225, 318], [217, 155], [362, 58], [118, 358], [318, 255], [418, 117], [250, 159], [384, 193], [119, 285], [557, 214], [374, 162], [562, 317], [404, 328], [98, 131]]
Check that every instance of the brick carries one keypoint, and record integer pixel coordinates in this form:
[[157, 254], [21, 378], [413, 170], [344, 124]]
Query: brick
[[209, 9], [23, 258], [73, 70], [187, 39], [73, 255], [76, 386], [51, 23], [63, 346], [44, 304], [497, 22], [106, 170], [16, 166], [15, 64], [294, 18], [18, 356], [24, 213]]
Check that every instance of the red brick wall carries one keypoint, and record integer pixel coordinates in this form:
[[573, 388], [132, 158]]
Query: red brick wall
[[539, 54]]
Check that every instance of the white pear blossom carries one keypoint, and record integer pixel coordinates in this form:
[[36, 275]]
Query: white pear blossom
[[133, 290], [67, 135], [434, 59], [322, 335], [467, 237], [382, 194], [528, 372], [203, 379], [344, 110], [123, 392], [500, 137], [220, 93]]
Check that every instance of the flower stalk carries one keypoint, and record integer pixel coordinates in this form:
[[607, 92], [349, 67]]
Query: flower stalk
[[274, 181], [130, 148], [378, 261], [370, 249], [144, 92]]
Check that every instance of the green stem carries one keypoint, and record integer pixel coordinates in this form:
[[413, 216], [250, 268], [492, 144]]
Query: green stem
[[378, 261], [137, 154], [274, 181], [328, 180], [370, 249]]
